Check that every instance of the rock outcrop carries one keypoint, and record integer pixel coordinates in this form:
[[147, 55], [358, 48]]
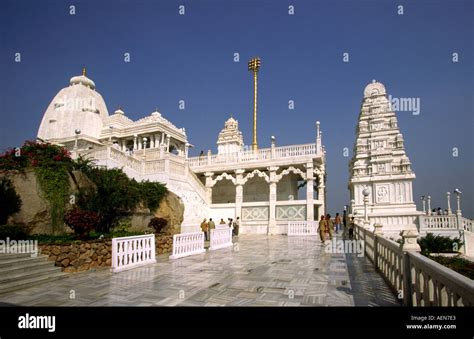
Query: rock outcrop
[[172, 210]]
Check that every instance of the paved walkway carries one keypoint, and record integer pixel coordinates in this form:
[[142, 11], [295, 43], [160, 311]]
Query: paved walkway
[[257, 271]]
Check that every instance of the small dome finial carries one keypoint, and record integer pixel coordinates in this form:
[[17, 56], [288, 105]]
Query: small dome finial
[[84, 71], [374, 81]]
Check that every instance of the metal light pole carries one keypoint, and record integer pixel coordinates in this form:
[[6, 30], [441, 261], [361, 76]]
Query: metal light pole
[[254, 66]]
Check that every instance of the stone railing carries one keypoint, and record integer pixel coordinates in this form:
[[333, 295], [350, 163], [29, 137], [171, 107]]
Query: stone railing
[[420, 280], [186, 244], [130, 252], [296, 228], [444, 222], [220, 238], [295, 151]]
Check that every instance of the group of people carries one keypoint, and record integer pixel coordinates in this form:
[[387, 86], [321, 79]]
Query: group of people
[[207, 226], [327, 226]]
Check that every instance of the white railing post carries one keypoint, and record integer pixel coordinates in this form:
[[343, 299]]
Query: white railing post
[[186, 244], [220, 238], [131, 252], [409, 244]]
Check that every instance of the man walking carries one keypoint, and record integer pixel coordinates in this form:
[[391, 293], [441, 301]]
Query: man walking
[[322, 229], [236, 226], [329, 226], [205, 229], [337, 221], [211, 226]]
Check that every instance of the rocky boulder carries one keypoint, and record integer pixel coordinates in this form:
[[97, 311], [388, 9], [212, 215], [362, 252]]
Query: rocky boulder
[[172, 210]]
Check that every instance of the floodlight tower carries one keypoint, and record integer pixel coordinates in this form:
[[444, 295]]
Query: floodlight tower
[[254, 66]]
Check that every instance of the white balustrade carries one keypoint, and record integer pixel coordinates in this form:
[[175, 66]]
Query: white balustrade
[[220, 238], [438, 221], [251, 155], [467, 224], [186, 244], [131, 252], [297, 228], [421, 281]]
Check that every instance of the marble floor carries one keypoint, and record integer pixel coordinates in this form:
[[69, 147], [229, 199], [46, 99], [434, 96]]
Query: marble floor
[[258, 270]]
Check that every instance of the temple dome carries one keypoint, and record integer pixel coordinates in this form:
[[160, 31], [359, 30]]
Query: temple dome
[[374, 89], [82, 79], [119, 111], [77, 106]]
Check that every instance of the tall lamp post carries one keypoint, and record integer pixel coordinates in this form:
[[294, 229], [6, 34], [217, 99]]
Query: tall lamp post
[[366, 193], [429, 204], [254, 66], [458, 201], [77, 132], [423, 200], [448, 197]]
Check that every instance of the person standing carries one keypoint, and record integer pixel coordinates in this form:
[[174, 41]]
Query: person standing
[[329, 226], [222, 222], [211, 226], [337, 221], [344, 221], [322, 229], [236, 226], [205, 229], [351, 228]]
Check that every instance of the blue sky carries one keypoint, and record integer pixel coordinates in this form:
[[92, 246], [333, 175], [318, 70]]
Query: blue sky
[[191, 57]]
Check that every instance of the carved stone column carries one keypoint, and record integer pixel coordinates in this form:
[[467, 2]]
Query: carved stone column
[[209, 185], [309, 192], [239, 193], [168, 140], [272, 201], [321, 198]]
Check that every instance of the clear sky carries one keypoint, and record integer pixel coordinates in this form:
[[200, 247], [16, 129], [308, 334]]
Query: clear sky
[[191, 57]]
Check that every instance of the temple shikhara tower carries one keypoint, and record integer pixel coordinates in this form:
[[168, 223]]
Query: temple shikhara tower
[[265, 187], [380, 170]]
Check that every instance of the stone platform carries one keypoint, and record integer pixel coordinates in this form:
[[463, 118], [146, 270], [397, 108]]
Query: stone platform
[[259, 270]]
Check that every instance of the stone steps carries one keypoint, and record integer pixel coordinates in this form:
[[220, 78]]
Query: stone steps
[[19, 271]]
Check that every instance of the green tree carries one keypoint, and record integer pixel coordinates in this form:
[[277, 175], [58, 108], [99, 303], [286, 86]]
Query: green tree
[[10, 201]]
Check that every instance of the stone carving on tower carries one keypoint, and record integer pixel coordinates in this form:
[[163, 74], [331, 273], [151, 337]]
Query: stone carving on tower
[[230, 138], [381, 165]]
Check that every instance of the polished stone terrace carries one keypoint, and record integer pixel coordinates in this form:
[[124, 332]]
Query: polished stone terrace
[[259, 270]]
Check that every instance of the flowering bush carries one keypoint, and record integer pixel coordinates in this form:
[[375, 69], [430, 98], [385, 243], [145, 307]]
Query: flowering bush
[[82, 222], [34, 154]]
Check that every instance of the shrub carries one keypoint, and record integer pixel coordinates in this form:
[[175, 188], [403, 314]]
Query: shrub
[[82, 222], [439, 244], [51, 164], [14, 232], [157, 224], [116, 196], [10, 201], [151, 193]]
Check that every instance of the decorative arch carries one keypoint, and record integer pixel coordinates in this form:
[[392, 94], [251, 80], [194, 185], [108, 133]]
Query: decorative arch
[[253, 173], [222, 177], [288, 171]]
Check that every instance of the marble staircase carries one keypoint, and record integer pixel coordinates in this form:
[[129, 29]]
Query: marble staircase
[[18, 271]]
